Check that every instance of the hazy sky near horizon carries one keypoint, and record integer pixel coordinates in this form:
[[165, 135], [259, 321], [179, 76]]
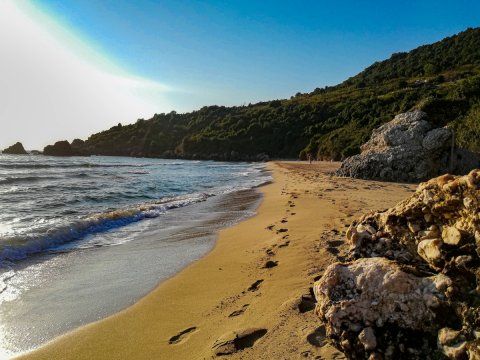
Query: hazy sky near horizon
[[69, 68]]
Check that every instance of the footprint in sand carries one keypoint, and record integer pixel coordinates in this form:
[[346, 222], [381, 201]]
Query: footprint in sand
[[318, 337], [332, 250], [182, 335], [255, 285], [235, 341], [335, 243], [307, 302], [270, 264], [240, 311], [283, 221], [282, 230], [285, 244], [270, 252]]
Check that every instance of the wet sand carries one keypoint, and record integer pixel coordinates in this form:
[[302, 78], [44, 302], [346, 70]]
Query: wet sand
[[258, 275]]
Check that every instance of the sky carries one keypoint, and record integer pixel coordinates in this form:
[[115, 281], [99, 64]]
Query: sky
[[70, 68]]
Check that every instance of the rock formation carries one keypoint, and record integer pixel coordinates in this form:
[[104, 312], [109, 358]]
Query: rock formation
[[60, 148], [16, 149], [411, 288], [409, 148]]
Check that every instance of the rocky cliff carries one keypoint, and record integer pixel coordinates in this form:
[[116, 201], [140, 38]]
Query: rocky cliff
[[409, 148], [410, 290]]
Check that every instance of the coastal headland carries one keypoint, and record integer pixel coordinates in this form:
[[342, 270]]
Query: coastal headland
[[250, 297]]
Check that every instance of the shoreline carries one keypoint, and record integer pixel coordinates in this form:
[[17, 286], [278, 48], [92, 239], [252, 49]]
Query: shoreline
[[258, 275], [117, 276]]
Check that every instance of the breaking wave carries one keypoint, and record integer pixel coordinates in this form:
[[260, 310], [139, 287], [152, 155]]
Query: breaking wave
[[19, 247]]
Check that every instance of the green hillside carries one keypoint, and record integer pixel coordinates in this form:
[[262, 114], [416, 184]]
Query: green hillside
[[442, 79]]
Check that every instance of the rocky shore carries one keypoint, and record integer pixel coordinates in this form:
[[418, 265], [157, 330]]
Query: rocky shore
[[410, 289]]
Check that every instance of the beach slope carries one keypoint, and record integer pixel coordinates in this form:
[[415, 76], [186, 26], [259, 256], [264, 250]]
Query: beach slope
[[251, 295]]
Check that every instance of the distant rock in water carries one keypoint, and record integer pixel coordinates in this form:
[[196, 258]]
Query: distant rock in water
[[409, 148], [60, 148], [16, 149], [410, 290]]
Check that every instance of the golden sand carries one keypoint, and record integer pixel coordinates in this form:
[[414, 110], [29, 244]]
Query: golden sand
[[300, 225]]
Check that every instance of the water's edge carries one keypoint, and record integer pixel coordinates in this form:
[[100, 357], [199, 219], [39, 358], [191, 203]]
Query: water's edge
[[85, 285]]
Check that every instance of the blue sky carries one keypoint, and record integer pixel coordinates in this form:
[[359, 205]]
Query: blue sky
[[184, 54], [252, 50]]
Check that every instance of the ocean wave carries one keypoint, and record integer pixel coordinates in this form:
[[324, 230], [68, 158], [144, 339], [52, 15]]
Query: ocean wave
[[138, 172], [117, 197], [67, 166], [26, 179], [10, 190], [20, 247]]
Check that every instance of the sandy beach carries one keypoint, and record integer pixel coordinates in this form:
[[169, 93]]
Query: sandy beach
[[258, 276]]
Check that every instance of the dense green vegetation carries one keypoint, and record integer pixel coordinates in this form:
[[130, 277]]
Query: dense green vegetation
[[442, 79]]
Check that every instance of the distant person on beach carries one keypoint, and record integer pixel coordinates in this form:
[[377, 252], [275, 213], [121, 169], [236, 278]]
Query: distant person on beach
[[309, 158]]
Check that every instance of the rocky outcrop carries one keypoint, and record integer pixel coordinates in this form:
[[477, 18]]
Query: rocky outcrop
[[411, 287], [16, 149], [62, 148], [409, 148]]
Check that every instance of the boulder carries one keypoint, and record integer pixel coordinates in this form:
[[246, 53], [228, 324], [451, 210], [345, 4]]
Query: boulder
[[430, 251], [16, 149], [410, 286], [409, 148], [372, 303]]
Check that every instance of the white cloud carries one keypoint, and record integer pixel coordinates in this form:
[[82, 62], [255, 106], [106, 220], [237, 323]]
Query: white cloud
[[52, 87]]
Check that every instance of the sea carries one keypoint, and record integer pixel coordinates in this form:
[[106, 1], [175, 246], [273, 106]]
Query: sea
[[84, 237]]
